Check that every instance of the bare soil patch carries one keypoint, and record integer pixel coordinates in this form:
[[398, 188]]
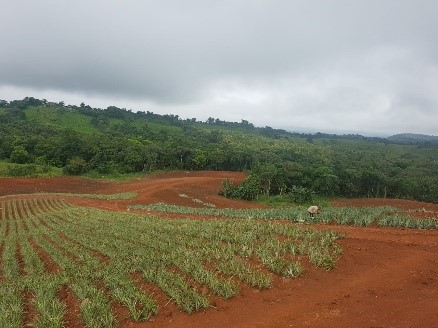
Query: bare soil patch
[[385, 277], [49, 265], [72, 316], [31, 312]]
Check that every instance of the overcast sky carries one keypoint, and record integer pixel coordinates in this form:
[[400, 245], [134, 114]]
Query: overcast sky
[[313, 65]]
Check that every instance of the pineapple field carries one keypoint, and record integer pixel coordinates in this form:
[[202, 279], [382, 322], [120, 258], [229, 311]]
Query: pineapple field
[[167, 251]]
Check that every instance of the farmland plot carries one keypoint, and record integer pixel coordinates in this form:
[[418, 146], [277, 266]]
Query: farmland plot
[[49, 247], [383, 216]]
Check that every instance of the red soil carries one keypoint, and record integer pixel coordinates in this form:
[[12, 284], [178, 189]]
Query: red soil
[[384, 278]]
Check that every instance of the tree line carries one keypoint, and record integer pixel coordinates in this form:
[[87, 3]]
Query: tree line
[[37, 134]]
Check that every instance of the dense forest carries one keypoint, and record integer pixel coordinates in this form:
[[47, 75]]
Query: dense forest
[[38, 137]]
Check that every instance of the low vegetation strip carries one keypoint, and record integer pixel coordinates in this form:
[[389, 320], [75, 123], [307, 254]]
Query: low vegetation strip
[[384, 216], [120, 196], [191, 261]]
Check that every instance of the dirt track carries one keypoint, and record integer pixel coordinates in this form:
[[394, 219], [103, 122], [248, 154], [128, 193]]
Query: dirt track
[[384, 278]]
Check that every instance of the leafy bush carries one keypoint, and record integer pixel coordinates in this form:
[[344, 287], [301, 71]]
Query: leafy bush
[[301, 195], [229, 190], [250, 189], [25, 170], [20, 155], [76, 166]]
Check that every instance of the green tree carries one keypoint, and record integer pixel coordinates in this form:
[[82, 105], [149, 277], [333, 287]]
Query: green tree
[[75, 166], [301, 195], [20, 155], [199, 159]]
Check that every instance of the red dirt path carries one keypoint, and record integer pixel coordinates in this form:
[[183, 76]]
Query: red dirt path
[[384, 278]]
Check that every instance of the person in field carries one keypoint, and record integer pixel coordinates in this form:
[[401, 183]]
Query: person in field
[[314, 210]]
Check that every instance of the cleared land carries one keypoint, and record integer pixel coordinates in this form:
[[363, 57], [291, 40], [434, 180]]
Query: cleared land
[[77, 261]]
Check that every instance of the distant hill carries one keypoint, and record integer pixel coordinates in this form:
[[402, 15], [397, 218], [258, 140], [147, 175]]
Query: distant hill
[[38, 137], [412, 138]]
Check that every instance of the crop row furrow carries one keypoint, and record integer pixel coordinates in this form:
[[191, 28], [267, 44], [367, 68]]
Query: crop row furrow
[[197, 271], [364, 216], [95, 307], [11, 268], [11, 289], [50, 310], [175, 286], [11, 304], [3, 234], [115, 278], [122, 249], [95, 254], [244, 248], [224, 252]]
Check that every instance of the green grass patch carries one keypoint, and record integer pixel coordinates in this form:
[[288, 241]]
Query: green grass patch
[[120, 196], [8, 169], [61, 118], [116, 176]]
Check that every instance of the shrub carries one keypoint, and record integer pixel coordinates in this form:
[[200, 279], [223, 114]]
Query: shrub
[[250, 189], [20, 155], [301, 195], [75, 166], [25, 170]]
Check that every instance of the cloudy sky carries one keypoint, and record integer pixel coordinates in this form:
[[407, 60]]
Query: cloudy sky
[[368, 66]]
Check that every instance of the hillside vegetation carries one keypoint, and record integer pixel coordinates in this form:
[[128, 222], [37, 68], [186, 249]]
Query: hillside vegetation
[[412, 138], [38, 137]]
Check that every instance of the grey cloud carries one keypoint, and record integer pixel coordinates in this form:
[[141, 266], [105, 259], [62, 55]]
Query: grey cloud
[[312, 56]]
